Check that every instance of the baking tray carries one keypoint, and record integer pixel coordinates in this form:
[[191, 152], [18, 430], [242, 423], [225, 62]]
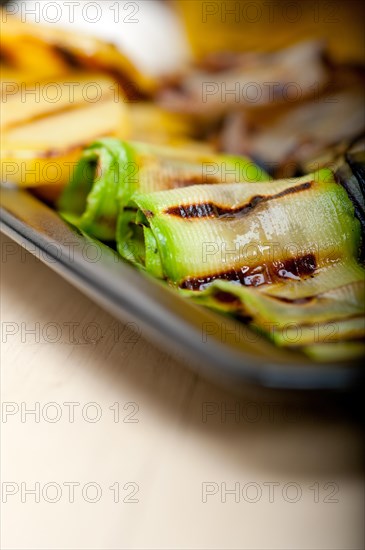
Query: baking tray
[[213, 344]]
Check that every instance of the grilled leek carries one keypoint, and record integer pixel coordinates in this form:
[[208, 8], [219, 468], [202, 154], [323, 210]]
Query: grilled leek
[[281, 254], [111, 171], [252, 234]]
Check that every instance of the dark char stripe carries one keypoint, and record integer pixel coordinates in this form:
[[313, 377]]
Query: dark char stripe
[[67, 56], [212, 210], [293, 301], [302, 266]]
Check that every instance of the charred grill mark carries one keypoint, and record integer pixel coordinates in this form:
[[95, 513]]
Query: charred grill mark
[[211, 210], [6, 57], [303, 266], [67, 56], [131, 89], [295, 189], [202, 210], [75, 61], [293, 301], [349, 338], [227, 298], [292, 268]]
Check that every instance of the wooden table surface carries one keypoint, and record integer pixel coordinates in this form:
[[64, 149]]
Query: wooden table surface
[[128, 448]]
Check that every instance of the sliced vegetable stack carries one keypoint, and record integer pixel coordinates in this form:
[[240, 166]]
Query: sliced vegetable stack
[[282, 254]]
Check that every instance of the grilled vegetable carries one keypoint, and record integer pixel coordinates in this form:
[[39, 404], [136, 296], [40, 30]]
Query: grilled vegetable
[[250, 81], [60, 91], [110, 171], [281, 254], [42, 138], [34, 52], [288, 109], [351, 175], [297, 139], [315, 322], [253, 234]]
